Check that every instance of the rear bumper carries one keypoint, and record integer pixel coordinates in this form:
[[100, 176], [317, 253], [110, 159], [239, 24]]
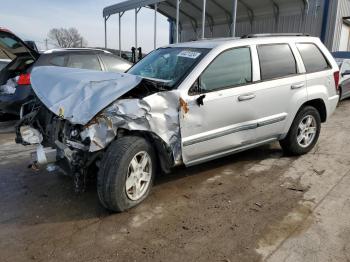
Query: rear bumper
[[11, 103], [332, 105]]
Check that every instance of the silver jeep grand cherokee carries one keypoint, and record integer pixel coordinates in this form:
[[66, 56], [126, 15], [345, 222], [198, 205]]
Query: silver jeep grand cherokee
[[182, 104]]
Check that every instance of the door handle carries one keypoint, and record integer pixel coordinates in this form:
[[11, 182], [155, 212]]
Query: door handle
[[297, 86], [246, 97]]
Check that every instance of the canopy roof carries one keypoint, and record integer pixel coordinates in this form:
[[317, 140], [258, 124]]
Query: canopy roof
[[217, 11]]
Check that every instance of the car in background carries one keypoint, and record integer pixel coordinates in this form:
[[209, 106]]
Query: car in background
[[343, 61], [4, 62], [15, 88]]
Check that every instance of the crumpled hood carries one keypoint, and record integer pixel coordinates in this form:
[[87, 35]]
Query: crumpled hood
[[79, 94]]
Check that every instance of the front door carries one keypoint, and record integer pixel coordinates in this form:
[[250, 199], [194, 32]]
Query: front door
[[219, 115]]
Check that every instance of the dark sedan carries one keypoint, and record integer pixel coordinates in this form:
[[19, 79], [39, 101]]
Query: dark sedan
[[15, 86]]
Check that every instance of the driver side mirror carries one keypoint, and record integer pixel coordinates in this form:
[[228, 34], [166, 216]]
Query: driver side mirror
[[196, 90], [345, 73]]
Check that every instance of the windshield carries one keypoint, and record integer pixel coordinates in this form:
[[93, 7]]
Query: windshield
[[168, 65]]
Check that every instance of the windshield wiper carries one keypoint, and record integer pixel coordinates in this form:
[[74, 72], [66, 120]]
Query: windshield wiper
[[158, 84]]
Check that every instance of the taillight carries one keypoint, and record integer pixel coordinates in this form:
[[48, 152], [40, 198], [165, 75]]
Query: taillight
[[336, 79], [24, 79]]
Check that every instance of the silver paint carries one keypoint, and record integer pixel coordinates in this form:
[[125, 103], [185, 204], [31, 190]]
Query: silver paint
[[157, 113]]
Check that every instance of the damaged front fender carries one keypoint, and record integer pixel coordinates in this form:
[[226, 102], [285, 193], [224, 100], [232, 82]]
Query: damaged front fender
[[157, 113]]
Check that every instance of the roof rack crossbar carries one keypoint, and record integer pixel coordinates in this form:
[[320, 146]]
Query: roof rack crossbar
[[274, 34]]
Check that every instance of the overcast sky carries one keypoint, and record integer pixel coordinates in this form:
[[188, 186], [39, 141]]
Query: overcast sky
[[32, 20]]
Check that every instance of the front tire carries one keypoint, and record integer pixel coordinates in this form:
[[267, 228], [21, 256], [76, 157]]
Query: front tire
[[304, 132], [126, 173]]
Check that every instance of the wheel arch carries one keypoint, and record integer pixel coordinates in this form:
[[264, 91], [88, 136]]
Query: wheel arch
[[320, 106], [165, 157]]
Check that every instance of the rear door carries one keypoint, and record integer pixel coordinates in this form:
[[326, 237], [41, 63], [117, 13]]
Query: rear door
[[282, 89]]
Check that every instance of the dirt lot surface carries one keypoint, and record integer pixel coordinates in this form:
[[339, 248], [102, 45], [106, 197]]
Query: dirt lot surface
[[253, 206]]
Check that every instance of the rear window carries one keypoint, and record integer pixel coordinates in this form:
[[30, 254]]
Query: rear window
[[58, 60], [276, 60], [313, 58], [114, 64], [84, 61]]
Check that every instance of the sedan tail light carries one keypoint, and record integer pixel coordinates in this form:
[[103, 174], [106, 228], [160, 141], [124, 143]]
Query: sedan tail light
[[336, 79], [24, 79]]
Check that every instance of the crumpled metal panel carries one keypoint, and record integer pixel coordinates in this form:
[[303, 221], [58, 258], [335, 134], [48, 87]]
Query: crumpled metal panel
[[78, 94], [157, 113]]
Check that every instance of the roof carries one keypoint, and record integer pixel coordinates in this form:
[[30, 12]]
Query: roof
[[75, 49], [215, 42], [217, 11]]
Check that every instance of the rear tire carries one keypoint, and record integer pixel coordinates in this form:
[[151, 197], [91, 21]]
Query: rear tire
[[126, 173], [304, 132]]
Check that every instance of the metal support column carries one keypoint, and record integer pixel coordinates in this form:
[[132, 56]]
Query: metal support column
[[177, 19], [106, 18], [136, 27], [105, 32], [120, 35], [203, 18], [155, 25], [234, 18]]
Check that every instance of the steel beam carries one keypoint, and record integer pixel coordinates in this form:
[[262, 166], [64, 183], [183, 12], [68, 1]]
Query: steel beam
[[177, 19], [106, 18], [137, 10], [155, 25], [203, 18], [234, 18], [120, 33]]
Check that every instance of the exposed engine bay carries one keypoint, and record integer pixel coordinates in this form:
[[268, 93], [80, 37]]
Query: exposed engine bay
[[73, 128]]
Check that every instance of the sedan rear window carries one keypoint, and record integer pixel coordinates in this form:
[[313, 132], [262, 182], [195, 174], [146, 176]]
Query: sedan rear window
[[313, 59], [84, 61], [276, 61]]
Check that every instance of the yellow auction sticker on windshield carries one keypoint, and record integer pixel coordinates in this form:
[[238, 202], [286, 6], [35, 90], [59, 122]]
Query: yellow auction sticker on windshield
[[189, 54]]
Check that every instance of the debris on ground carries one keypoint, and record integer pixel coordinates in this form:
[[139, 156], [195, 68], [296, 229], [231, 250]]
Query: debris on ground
[[319, 173]]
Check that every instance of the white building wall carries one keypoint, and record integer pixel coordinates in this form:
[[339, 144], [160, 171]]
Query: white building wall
[[343, 10]]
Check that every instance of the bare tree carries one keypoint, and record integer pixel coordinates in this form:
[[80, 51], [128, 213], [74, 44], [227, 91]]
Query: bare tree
[[66, 38]]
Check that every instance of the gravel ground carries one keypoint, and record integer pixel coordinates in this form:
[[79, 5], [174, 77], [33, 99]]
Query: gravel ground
[[245, 207]]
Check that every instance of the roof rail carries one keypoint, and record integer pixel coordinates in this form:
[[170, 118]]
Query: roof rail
[[274, 34]]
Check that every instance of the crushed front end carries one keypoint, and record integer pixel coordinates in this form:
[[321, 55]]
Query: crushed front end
[[59, 145], [73, 125]]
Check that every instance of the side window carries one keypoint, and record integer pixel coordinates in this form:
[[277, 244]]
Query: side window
[[345, 66], [58, 60], [84, 61], [114, 64], [313, 59], [231, 68], [276, 60]]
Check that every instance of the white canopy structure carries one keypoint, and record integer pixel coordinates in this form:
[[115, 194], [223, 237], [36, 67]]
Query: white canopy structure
[[196, 19]]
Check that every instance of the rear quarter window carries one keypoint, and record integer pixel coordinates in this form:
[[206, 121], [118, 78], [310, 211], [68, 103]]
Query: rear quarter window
[[58, 60], [276, 61], [313, 58]]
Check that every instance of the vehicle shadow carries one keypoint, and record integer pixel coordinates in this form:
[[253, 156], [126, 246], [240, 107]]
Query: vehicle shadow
[[32, 198]]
